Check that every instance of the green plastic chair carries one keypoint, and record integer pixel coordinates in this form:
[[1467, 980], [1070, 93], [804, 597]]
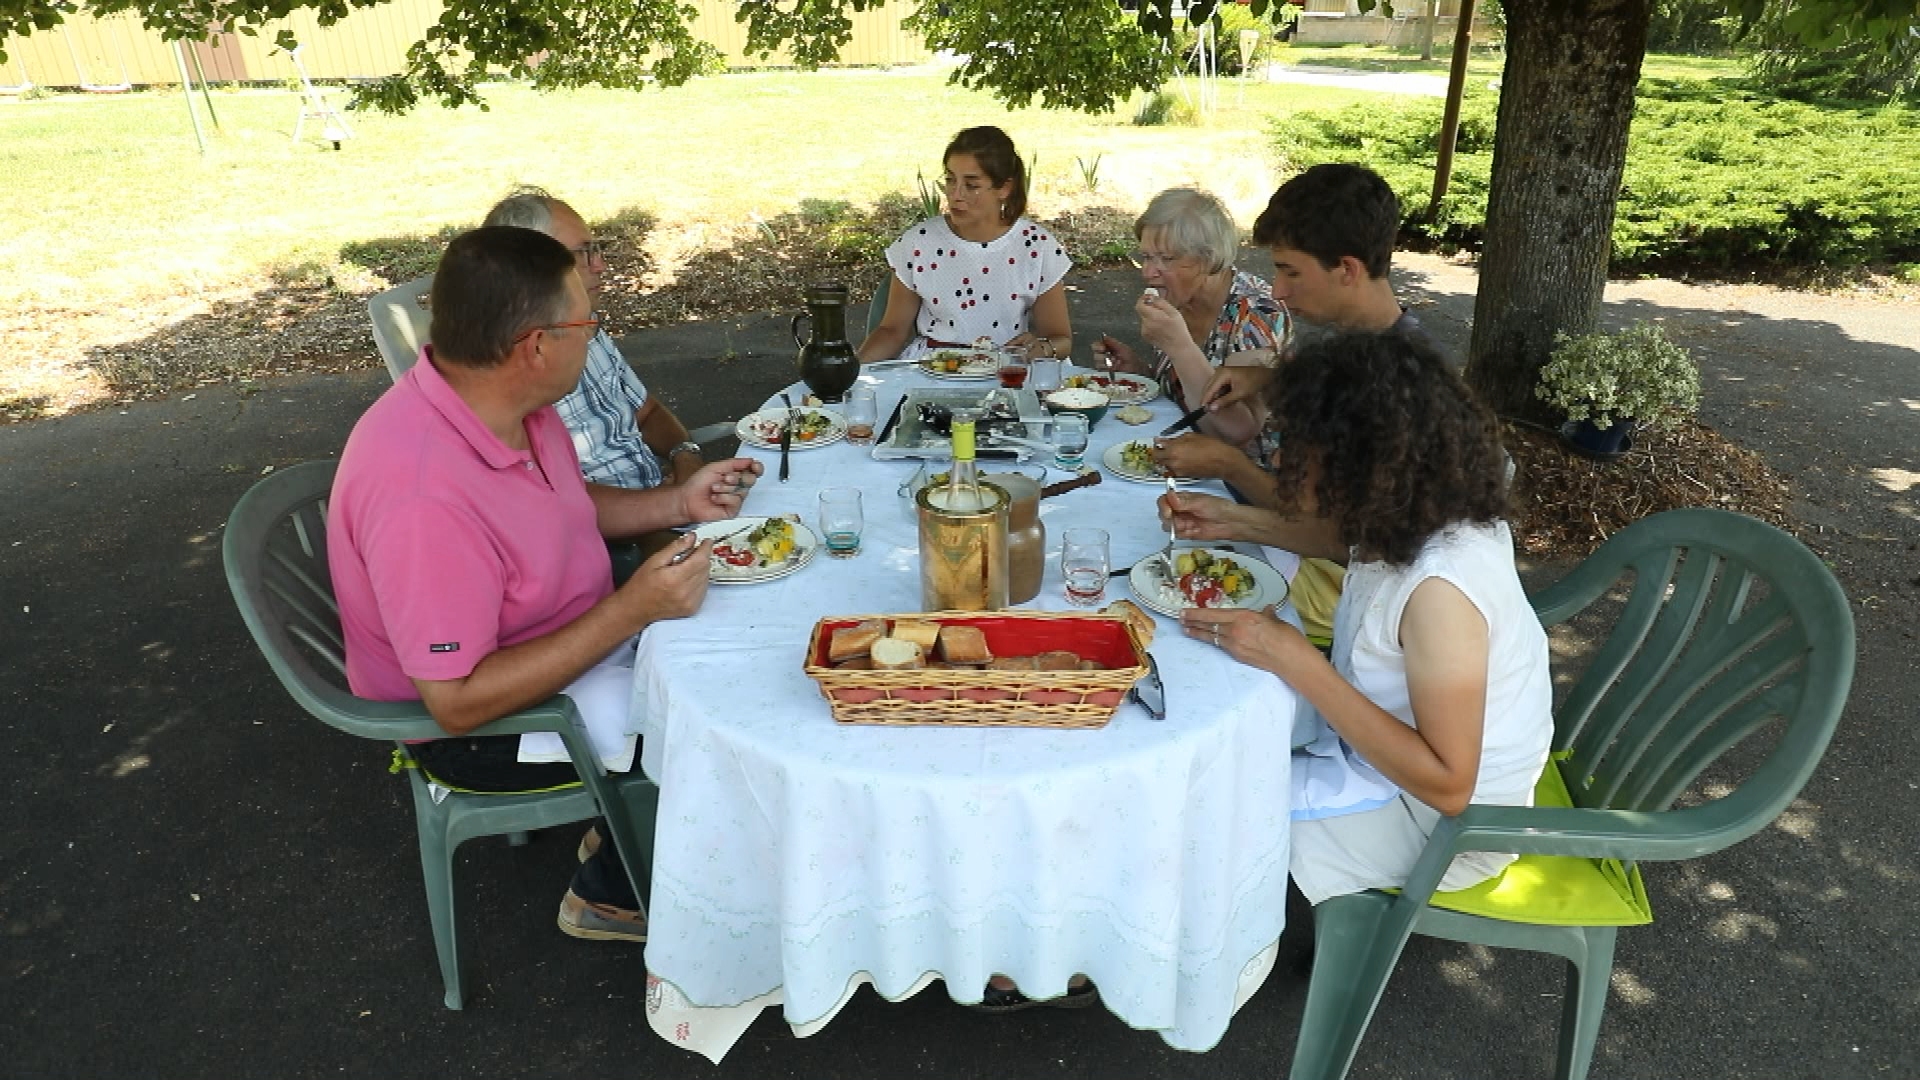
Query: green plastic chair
[[877, 306], [276, 560], [1729, 624]]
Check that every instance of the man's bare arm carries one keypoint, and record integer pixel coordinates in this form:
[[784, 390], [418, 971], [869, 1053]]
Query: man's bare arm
[[528, 673]]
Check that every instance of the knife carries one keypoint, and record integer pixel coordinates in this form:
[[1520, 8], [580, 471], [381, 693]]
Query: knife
[[1185, 421], [786, 437], [886, 432], [1150, 692]]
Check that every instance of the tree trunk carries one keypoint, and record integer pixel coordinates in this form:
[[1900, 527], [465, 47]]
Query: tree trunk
[[1566, 101]]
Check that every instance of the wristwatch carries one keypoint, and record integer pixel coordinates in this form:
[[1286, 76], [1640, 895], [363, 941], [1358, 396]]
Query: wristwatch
[[686, 447]]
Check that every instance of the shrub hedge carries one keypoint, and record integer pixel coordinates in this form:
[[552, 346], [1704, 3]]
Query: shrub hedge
[[1720, 178]]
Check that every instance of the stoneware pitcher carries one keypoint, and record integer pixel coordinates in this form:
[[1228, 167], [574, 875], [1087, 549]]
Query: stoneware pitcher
[[827, 362]]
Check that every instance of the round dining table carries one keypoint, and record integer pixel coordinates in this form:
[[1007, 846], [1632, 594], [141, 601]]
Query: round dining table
[[796, 858]]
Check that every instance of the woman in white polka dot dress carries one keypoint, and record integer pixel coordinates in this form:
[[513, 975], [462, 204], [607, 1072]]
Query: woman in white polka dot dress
[[981, 270]]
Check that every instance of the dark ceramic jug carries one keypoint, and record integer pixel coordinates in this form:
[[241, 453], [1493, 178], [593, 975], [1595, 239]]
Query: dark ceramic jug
[[827, 362]]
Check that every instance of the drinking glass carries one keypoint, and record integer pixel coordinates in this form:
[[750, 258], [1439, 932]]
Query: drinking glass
[[1013, 367], [841, 521], [861, 412], [1043, 375], [1083, 562], [1069, 440]]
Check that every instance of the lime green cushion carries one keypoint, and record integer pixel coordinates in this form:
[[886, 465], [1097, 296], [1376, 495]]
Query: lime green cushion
[[1556, 890]]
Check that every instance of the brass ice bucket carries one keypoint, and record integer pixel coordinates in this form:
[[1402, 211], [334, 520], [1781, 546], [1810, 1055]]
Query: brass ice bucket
[[963, 556]]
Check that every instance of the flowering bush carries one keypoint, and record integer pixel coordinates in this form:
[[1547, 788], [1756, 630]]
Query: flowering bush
[[1636, 374]]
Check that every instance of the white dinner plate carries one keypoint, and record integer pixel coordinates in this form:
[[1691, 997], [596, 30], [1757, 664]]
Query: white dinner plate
[[1269, 587], [1120, 387], [978, 364], [805, 544], [1117, 465], [762, 429]]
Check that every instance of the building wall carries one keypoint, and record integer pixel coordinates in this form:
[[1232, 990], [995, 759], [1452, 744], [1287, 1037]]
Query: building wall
[[110, 52]]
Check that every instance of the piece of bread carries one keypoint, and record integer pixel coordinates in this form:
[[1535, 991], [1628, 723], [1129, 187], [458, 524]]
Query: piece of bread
[[1091, 665], [1010, 663], [858, 663], [855, 640], [963, 645], [897, 654], [1141, 621], [1057, 660], [1133, 414], [919, 631]]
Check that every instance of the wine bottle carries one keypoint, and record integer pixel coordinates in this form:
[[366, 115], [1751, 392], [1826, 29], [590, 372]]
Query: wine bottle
[[963, 495]]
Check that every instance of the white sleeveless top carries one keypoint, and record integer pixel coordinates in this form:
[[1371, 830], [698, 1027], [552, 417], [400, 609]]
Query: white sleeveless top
[[1478, 560]]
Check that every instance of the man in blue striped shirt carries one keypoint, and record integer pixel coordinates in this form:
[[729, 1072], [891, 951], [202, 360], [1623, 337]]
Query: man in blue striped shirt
[[625, 437]]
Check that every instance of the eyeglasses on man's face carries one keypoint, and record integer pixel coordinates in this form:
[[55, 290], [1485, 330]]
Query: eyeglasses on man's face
[[591, 320], [589, 251]]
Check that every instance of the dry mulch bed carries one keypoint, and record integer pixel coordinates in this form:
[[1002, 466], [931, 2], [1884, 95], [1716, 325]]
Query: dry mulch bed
[[1565, 505]]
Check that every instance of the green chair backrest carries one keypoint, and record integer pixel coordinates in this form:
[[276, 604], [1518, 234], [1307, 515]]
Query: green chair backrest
[[877, 306], [1728, 625], [275, 551], [400, 322]]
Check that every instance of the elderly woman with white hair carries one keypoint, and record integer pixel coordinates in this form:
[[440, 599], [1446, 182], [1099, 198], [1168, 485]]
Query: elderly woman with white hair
[[1197, 312]]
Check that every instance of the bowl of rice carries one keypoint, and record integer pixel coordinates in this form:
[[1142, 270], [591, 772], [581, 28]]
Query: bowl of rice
[[1091, 404]]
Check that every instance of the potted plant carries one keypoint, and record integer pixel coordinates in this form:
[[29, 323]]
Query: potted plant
[[1610, 385]]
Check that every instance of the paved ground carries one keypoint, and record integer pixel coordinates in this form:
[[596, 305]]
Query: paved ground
[[198, 880]]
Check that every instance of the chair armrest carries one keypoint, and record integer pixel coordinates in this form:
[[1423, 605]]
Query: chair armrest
[[1569, 596], [1628, 835], [410, 720]]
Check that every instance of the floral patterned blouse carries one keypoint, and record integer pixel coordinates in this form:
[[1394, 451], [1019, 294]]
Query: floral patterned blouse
[[1250, 319]]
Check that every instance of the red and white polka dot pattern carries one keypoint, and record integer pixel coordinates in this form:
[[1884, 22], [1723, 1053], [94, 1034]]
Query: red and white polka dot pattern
[[966, 291]]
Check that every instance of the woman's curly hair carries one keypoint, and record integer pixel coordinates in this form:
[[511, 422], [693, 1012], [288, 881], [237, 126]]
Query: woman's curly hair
[[1404, 449]]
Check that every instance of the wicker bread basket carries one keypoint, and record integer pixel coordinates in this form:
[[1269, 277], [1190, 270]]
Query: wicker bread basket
[[977, 696]]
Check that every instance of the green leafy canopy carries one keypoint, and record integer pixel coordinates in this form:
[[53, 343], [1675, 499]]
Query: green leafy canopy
[[1079, 54]]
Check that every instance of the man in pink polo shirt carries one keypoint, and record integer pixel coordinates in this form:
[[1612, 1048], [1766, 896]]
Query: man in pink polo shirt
[[468, 552]]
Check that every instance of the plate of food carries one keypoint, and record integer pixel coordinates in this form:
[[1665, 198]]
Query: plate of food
[[751, 549], [1133, 460], [1120, 387], [974, 363], [1206, 578], [811, 427]]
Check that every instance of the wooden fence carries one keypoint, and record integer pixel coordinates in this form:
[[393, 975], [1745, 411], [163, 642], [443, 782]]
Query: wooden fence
[[117, 52]]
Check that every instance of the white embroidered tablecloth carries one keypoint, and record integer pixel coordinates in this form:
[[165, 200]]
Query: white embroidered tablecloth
[[796, 858]]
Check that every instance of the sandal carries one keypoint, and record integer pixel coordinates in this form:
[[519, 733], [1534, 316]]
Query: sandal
[[998, 1000]]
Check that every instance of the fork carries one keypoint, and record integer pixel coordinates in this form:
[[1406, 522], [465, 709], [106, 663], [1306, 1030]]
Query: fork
[[1166, 556]]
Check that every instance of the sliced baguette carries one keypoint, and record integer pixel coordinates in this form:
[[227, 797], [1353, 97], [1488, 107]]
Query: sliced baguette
[[897, 654], [919, 631], [1057, 660], [1141, 621], [851, 641], [964, 645]]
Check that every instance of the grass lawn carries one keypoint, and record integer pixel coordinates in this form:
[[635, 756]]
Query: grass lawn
[[115, 186], [118, 228], [1486, 62], [128, 256]]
